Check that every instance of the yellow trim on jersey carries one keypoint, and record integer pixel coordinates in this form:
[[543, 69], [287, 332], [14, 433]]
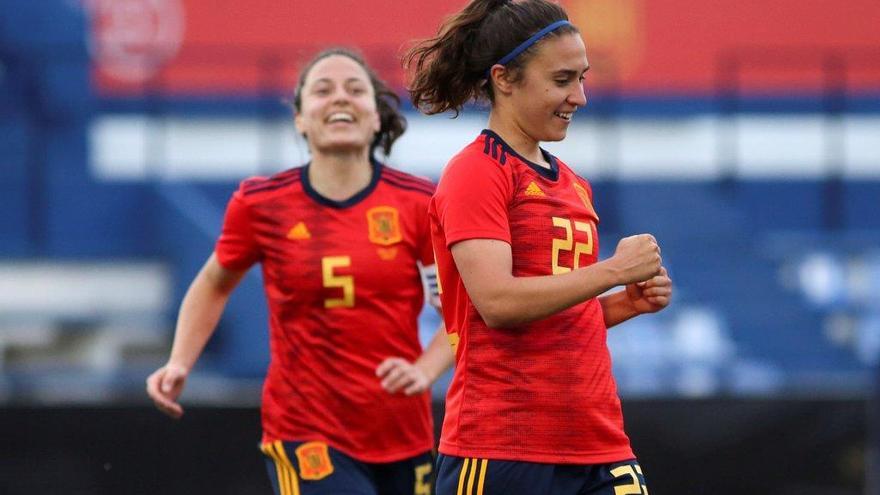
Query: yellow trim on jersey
[[288, 483], [453, 339]]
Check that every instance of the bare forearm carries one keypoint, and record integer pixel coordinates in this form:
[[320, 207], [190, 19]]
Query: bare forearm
[[438, 356], [198, 317], [617, 308], [200, 312], [520, 300]]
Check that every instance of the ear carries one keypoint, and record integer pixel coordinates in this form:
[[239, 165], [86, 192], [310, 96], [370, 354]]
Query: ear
[[298, 123], [376, 122], [499, 76]]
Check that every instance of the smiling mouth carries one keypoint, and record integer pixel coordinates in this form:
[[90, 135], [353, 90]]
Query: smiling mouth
[[566, 116], [340, 117]]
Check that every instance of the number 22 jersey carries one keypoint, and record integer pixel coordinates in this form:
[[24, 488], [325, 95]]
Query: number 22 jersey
[[344, 292], [542, 391]]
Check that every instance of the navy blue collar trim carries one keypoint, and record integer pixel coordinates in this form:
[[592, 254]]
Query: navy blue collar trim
[[357, 198], [551, 173]]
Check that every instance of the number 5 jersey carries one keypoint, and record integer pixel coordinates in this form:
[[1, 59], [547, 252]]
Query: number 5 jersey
[[344, 292], [543, 391]]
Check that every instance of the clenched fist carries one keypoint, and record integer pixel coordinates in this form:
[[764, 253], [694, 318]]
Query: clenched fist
[[636, 259]]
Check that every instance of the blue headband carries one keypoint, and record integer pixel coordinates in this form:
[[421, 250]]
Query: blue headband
[[516, 52]]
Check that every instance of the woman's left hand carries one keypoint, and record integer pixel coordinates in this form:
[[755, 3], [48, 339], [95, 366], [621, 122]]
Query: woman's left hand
[[651, 295], [399, 374]]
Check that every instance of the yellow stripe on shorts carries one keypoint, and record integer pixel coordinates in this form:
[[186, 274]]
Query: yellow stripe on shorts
[[288, 482], [474, 470], [484, 464], [464, 468], [470, 485]]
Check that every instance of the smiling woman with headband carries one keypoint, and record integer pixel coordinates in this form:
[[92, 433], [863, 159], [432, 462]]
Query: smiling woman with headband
[[533, 407]]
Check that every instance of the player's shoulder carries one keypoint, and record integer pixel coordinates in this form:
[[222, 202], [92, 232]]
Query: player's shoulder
[[406, 183], [565, 169], [488, 153], [483, 158], [254, 189]]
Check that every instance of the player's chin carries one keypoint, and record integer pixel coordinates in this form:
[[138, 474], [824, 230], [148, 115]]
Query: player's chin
[[557, 131]]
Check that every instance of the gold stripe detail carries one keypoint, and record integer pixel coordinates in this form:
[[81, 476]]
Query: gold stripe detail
[[294, 481], [483, 468], [470, 486], [283, 482], [464, 468]]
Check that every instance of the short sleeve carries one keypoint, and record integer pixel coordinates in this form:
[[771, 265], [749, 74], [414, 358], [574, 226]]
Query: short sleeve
[[237, 247], [472, 200]]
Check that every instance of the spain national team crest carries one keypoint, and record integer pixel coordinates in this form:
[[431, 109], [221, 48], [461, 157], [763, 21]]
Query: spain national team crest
[[384, 224], [314, 461]]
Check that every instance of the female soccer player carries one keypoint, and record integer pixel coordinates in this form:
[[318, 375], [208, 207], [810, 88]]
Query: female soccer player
[[341, 241], [532, 408]]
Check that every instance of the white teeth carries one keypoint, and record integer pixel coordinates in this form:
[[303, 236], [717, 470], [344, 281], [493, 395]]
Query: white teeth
[[563, 115], [340, 117]]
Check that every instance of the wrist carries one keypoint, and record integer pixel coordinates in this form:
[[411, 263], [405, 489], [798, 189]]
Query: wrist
[[607, 274], [179, 365], [426, 370]]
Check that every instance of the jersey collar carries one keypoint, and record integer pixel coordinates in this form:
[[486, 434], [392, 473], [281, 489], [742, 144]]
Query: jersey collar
[[357, 198], [551, 174]]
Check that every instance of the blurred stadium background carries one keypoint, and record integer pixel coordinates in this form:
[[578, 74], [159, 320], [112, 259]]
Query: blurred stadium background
[[744, 134]]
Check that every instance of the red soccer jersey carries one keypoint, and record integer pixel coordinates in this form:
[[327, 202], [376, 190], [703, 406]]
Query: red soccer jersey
[[541, 392], [344, 293]]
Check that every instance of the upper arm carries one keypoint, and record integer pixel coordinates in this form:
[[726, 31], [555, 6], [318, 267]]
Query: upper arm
[[218, 278], [485, 266]]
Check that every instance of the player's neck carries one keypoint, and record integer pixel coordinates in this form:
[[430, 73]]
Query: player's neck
[[512, 134], [339, 177]]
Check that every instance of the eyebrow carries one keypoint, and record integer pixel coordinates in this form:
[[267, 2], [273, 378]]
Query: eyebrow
[[347, 81], [569, 72]]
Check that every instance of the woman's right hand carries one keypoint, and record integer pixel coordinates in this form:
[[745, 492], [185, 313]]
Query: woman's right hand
[[636, 259], [164, 387]]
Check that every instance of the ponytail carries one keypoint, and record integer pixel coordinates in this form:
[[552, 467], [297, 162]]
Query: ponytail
[[450, 69]]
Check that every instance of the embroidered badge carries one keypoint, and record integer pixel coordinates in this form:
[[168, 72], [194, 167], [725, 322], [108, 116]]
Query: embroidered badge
[[582, 193], [314, 461], [384, 225]]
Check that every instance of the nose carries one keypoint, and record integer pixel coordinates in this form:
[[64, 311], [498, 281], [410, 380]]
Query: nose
[[579, 96], [340, 95]]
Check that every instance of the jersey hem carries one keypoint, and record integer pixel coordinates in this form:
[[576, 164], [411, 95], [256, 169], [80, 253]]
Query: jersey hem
[[375, 459], [555, 457], [235, 266], [465, 235]]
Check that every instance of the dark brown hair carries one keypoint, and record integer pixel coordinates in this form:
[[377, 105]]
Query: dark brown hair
[[450, 69], [392, 122]]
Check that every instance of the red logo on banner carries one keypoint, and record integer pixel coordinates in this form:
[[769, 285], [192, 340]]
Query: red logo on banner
[[133, 39]]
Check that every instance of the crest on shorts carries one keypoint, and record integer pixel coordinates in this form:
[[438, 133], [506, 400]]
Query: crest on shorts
[[314, 461], [384, 224]]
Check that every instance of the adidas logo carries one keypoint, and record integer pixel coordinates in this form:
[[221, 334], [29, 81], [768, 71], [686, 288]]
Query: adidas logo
[[299, 232], [534, 190]]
